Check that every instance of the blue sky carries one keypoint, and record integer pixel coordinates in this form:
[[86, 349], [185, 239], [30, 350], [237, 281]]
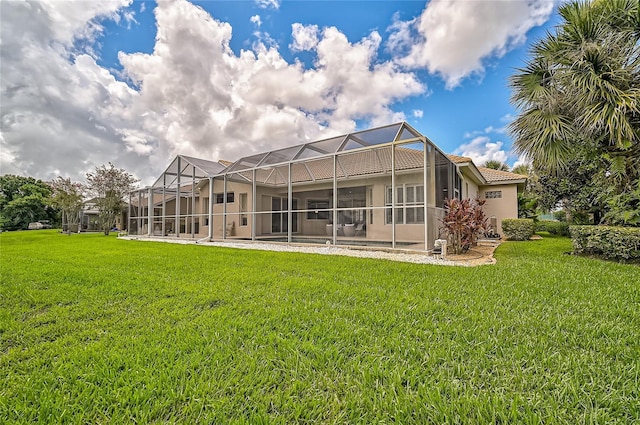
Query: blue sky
[[135, 83]]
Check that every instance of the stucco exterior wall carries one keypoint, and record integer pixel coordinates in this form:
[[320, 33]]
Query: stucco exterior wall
[[375, 203], [501, 208], [469, 189]]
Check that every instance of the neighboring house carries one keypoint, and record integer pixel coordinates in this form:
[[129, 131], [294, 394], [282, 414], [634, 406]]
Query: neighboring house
[[89, 218], [383, 187]]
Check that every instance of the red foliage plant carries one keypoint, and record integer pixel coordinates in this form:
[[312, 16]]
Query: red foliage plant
[[463, 222]]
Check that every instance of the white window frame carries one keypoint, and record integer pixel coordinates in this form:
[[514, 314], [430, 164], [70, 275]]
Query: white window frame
[[403, 205]]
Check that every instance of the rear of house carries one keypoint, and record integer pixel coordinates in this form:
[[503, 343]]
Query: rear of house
[[383, 187]]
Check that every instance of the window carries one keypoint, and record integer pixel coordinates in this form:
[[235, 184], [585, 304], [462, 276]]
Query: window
[[317, 207], [409, 204], [205, 210], [280, 216], [493, 194], [371, 205], [205, 205], [443, 179], [220, 198], [244, 220]]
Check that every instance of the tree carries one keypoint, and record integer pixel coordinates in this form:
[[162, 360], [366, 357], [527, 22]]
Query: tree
[[463, 222], [23, 200], [110, 186], [523, 170], [494, 164], [67, 197], [579, 95], [577, 188]]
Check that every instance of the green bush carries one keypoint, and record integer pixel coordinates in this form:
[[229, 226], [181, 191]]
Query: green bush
[[560, 215], [612, 243], [580, 218], [553, 227], [518, 229], [543, 225]]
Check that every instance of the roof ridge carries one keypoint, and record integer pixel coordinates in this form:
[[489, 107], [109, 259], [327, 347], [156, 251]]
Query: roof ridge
[[493, 170]]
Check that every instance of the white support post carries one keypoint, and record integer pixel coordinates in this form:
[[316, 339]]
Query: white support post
[[164, 204], [289, 208], [393, 195], [150, 211], [424, 195], [335, 200], [178, 199], [140, 212], [224, 208], [254, 198], [193, 202], [210, 208]]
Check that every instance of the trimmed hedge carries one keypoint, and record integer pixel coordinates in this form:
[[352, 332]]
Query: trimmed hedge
[[609, 242], [518, 229], [553, 227]]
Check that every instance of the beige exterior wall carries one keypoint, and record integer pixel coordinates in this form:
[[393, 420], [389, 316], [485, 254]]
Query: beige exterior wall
[[374, 188], [501, 208], [469, 189], [235, 214], [239, 220]]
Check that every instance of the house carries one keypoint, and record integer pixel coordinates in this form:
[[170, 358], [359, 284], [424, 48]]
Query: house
[[382, 187], [498, 188], [88, 219]]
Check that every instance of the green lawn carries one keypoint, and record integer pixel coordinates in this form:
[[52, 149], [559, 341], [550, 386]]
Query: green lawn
[[99, 330]]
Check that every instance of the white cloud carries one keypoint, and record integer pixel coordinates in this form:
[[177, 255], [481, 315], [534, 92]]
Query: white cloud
[[59, 114], [402, 35], [266, 4], [418, 113], [304, 37], [508, 118], [453, 38], [193, 95], [487, 130], [256, 20], [130, 17], [228, 105], [481, 149], [522, 160]]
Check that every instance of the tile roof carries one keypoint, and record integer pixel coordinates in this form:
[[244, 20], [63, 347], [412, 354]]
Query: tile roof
[[459, 159], [489, 174], [492, 175]]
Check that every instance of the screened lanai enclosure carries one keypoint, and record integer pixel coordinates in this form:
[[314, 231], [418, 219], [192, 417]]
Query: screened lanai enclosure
[[383, 187]]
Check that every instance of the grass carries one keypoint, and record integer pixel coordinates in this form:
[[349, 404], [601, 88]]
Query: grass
[[99, 330]]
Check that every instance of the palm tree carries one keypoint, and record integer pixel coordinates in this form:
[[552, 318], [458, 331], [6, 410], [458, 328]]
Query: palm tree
[[496, 165], [522, 169], [582, 87]]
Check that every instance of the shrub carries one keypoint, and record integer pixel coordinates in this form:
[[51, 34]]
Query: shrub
[[543, 225], [553, 227], [463, 222], [560, 215], [518, 229], [609, 242], [580, 218]]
